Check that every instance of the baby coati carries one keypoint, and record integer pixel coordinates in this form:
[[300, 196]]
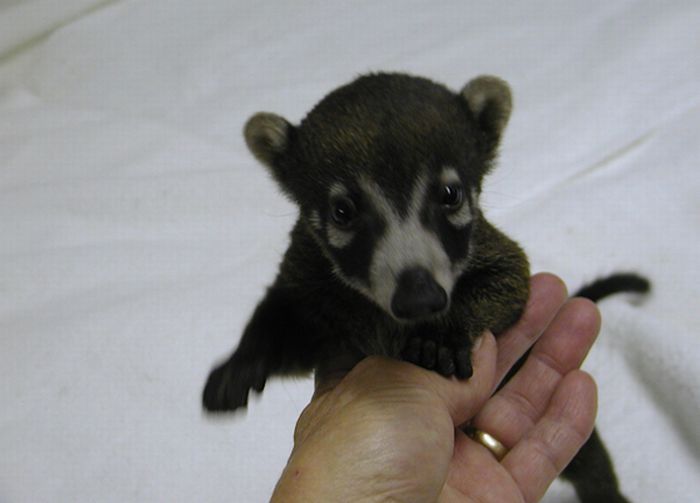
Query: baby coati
[[391, 254]]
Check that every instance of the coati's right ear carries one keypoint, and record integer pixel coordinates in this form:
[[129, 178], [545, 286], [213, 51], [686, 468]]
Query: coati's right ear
[[268, 137]]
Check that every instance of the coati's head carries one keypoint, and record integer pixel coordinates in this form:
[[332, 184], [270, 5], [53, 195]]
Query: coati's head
[[387, 173]]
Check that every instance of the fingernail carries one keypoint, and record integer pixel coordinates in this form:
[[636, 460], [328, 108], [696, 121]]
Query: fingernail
[[477, 342]]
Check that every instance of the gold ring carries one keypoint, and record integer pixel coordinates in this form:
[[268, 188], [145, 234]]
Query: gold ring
[[496, 448]]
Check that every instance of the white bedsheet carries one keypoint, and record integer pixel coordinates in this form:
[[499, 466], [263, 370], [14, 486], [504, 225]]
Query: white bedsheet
[[137, 233]]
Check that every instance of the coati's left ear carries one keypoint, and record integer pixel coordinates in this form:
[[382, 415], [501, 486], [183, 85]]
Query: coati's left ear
[[489, 100]]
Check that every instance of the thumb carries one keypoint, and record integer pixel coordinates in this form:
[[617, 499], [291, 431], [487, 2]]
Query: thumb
[[465, 398]]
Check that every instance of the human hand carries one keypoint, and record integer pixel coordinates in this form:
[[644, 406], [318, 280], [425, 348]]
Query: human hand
[[389, 430]]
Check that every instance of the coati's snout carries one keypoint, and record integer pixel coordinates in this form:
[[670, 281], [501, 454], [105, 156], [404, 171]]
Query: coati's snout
[[417, 295]]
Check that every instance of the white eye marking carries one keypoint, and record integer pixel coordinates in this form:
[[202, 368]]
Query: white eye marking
[[462, 217], [338, 238], [449, 175], [462, 265], [315, 220], [338, 190]]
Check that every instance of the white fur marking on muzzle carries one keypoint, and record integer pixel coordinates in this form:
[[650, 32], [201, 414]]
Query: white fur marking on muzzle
[[406, 243]]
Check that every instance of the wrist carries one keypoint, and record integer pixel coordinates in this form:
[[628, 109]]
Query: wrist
[[310, 476], [341, 458]]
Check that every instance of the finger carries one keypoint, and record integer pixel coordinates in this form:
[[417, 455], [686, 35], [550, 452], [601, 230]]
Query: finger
[[547, 295], [464, 398], [476, 475], [522, 401], [547, 449]]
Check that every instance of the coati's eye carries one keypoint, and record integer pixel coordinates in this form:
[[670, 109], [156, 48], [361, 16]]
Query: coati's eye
[[452, 196], [343, 211]]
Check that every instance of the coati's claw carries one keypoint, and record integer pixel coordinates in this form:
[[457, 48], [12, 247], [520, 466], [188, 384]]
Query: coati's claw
[[463, 360], [229, 384], [412, 351], [448, 361], [428, 355], [445, 361]]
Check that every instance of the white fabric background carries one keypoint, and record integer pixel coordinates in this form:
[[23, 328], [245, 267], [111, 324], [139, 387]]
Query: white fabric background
[[137, 233]]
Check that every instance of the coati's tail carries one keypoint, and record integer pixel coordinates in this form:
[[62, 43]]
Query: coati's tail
[[616, 283], [596, 290], [591, 471]]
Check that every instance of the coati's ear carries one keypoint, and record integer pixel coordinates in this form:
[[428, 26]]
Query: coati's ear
[[489, 100], [268, 138]]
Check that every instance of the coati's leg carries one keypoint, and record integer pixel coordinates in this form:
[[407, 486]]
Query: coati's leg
[[275, 341], [592, 475]]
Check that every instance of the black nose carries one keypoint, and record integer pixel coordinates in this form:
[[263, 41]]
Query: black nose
[[417, 295]]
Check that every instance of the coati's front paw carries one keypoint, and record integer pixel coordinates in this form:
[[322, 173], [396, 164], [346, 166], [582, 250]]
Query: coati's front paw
[[229, 384], [446, 359]]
